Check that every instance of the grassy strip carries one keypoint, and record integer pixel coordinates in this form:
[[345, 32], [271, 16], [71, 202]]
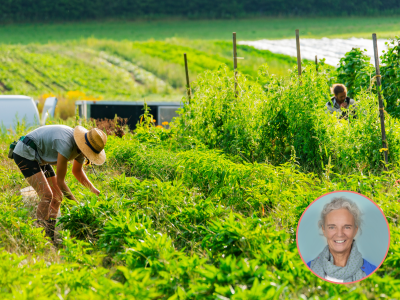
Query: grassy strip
[[247, 29]]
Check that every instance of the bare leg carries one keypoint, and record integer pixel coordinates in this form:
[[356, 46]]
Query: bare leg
[[42, 188], [57, 197]]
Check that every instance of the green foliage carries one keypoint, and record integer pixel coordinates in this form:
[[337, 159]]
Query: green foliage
[[250, 29], [206, 209], [279, 64], [162, 203], [123, 228], [284, 122], [390, 72], [47, 10], [132, 153], [37, 70], [235, 235], [77, 251], [153, 250], [23, 279], [165, 58], [358, 75], [146, 129], [86, 220], [19, 233], [216, 117], [355, 71]]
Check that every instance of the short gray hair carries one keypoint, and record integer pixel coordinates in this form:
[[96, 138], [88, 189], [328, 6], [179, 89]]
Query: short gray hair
[[338, 203]]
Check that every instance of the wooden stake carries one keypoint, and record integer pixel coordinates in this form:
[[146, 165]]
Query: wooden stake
[[235, 61], [378, 84], [187, 78], [316, 63], [298, 52]]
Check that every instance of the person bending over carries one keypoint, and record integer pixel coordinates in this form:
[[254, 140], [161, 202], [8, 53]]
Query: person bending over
[[339, 101], [56, 145]]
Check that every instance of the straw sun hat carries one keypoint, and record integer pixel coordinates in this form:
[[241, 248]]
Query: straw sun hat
[[91, 143]]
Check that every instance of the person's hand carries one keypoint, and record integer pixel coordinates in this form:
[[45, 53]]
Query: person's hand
[[96, 191], [344, 105]]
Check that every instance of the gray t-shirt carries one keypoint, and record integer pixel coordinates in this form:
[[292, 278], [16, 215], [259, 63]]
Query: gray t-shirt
[[50, 140]]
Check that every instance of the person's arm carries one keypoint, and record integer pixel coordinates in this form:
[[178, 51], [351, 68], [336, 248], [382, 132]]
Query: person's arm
[[79, 173], [62, 165]]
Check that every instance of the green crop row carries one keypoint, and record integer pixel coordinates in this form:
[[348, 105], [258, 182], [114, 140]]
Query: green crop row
[[189, 223], [101, 69], [37, 70], [165, 58]]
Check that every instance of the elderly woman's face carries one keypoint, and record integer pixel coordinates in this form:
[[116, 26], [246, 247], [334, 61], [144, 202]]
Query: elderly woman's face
[[339, 230]]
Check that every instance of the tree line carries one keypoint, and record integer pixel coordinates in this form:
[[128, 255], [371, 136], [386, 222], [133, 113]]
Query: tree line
[[54, 10]]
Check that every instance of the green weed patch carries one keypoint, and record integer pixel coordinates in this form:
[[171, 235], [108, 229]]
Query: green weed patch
[[207, 209]]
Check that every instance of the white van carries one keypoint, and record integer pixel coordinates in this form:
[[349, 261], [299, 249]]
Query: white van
[[48, 109], [15, 108]]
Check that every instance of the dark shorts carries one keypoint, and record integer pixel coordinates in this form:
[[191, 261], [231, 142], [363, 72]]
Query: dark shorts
[[32, 167]]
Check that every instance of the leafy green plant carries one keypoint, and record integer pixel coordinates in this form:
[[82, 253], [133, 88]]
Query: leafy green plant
[[141, 159], [355, 71], [19, 233], [152, 251], [390, 72], [86, 220], [119, 230], [77, 251], [235, 235]]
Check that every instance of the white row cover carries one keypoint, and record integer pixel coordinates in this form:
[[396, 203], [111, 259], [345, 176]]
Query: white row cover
[[330, 49]]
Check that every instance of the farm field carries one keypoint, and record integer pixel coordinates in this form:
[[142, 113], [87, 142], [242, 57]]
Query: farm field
[[208, 209], [120, 70], [115, 60], [247, 29], [205, 207]]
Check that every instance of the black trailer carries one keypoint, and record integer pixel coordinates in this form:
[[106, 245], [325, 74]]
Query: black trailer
[[131, 110]]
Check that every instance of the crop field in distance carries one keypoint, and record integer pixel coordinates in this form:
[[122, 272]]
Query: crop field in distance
[[247, 29], [94, 69]]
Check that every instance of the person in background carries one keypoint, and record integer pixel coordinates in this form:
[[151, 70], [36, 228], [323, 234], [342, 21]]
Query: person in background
[[339, 101], [57, 145]]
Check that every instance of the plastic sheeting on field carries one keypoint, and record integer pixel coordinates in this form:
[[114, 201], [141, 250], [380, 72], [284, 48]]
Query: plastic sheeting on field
[[330, 49]]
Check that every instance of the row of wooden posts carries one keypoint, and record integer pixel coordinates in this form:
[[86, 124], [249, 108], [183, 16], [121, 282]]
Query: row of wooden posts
[[378, 81]]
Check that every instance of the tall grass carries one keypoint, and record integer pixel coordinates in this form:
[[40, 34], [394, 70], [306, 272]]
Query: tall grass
[[276, 121]]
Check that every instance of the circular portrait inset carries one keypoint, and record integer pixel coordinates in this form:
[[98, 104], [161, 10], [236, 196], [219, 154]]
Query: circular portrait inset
[[343, 237]]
